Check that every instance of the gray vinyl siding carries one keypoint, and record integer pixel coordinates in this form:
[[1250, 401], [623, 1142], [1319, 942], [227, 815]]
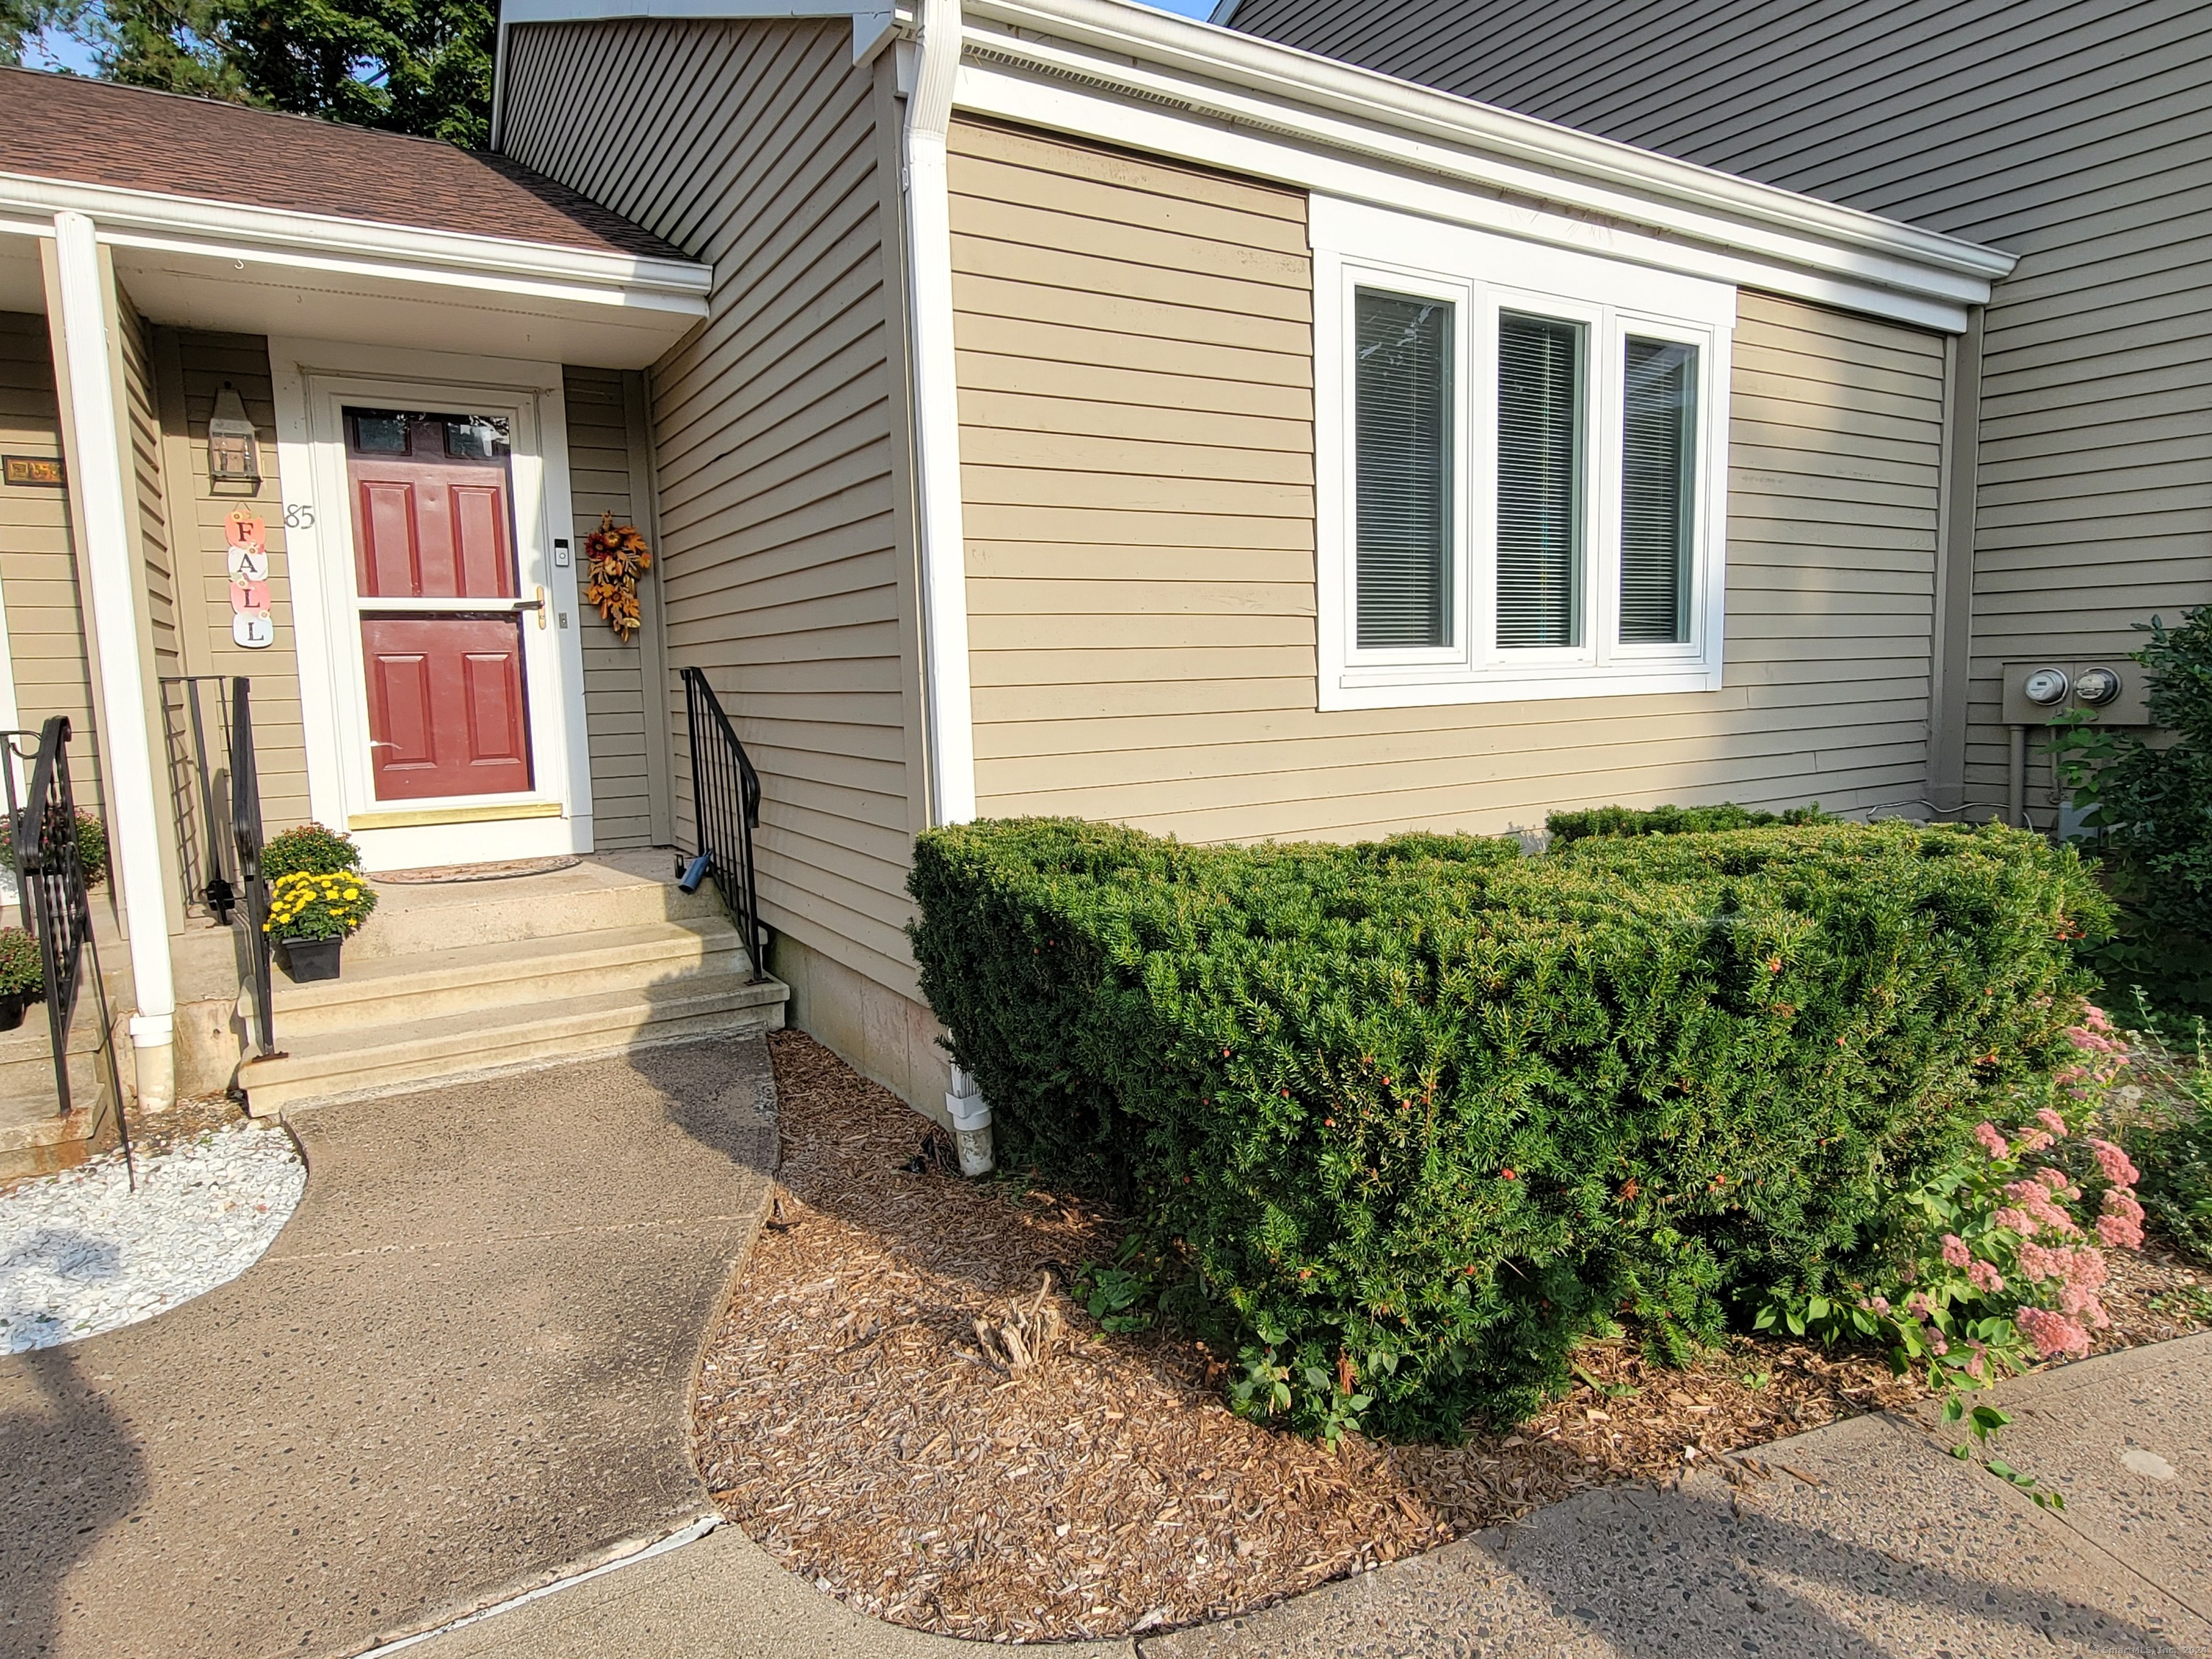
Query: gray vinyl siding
[[615, 689], [754, 146], [2076, 136]]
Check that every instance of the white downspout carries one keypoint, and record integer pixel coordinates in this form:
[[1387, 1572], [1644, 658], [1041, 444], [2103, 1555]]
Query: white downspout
[[948, 709], [127, 756]]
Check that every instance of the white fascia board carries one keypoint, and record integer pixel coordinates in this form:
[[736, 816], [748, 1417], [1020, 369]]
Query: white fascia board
[[1170, 64], [319, 242], [872, 23]]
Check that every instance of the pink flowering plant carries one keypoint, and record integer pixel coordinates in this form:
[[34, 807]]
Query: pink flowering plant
[[1997, 1261]]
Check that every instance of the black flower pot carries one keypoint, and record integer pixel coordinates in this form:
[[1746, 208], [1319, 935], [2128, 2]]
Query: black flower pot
[[12, 1004], [307, 959]]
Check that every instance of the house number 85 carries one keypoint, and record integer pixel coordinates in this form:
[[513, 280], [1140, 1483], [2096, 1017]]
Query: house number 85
[[299, 515]]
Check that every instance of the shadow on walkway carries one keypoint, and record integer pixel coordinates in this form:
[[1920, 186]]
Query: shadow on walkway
[[69, 1471], [463, 1368]]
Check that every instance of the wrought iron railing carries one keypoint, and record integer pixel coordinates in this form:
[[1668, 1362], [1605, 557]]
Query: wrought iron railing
[[245, 835], [49, 877], [725, 796], [215, 788], [196, 720]]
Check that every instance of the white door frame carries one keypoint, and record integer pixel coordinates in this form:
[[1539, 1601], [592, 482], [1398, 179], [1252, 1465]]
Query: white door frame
[[315, 379]]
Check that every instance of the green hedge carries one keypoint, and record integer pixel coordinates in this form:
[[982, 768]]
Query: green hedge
[[1565, 826], [1436, 1106]]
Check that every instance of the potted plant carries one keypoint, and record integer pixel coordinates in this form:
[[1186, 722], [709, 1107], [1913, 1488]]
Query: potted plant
[[308, 848], [91, 847], [310, 915], [22, 976]]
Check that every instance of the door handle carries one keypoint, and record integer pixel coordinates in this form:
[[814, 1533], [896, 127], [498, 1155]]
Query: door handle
[[536, 605]]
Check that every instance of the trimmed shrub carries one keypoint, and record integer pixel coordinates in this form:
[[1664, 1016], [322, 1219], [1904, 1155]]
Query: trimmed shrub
[[308, 849], [1565, 826], [1420, 1115]]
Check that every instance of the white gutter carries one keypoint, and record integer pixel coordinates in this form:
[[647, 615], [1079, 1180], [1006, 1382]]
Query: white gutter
[[1263, 84], [1240, 86], [134, 218], [127, 756], [948, 707]]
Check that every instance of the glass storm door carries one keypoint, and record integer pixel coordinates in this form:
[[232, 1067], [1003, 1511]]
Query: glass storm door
[[442, 619]]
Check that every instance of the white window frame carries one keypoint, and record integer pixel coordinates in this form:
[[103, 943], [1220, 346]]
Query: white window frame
[[1358, 245]]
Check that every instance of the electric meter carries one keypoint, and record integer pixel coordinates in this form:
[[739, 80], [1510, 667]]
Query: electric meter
[[2045, 686]]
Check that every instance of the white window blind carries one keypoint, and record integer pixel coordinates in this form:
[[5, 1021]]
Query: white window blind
[[1404, 488], [1539, 480], [1658, 490]]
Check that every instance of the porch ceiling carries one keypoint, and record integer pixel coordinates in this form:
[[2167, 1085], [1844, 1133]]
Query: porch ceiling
[[236, 293]]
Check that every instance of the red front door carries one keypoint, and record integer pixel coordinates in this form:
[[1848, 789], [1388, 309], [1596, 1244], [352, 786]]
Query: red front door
[[434, 532]]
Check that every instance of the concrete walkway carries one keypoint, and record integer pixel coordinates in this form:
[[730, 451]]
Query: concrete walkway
[[463, 1367], [1864, 1538]]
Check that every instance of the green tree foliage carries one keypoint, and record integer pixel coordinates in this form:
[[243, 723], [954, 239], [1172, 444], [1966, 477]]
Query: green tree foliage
[[21, 20], [415, 66], [1421, 1115], [2150, 812]]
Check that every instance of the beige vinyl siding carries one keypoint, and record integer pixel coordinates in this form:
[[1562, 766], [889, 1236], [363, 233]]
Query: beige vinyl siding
[[754, 146], [1135, 346], [615, 689], [192, 368], [38, 561], [142, 450], [2077, 135]]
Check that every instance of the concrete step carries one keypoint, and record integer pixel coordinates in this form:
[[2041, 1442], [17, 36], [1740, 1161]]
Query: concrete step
[[351, 1062], [384, 993], [35, 1138], [411, 920]]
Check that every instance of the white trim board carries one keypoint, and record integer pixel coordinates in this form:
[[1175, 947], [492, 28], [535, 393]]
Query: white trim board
[[1749, 256], [145, 219], [311, 379]]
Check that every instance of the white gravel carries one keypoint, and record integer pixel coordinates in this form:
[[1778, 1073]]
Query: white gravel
[[80, 1253]]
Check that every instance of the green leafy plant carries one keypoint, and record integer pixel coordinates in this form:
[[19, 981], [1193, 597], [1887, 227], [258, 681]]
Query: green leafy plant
[[22, 969], [2174, 1147], [307, 906], [1114, 1294], [1430, 1098], [308, 849], [2148, 807], [1989, 1266]]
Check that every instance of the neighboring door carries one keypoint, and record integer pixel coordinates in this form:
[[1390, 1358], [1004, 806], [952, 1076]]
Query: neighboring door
[[442, 619]]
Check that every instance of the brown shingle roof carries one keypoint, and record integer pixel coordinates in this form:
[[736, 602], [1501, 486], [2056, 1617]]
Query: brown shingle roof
[[62, 126]]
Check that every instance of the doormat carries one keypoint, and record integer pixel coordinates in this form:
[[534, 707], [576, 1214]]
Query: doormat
[[503, 870]]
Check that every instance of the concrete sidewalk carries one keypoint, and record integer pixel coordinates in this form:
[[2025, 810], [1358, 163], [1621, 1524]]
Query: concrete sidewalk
[[1864, 1538], [465, 1367]]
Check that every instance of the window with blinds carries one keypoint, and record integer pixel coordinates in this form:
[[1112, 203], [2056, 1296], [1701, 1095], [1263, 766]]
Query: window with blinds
[[1658, 501], [1403, 442], [1539, 480]]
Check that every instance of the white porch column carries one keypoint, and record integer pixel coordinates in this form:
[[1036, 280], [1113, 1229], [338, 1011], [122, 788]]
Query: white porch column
[[126, 753]]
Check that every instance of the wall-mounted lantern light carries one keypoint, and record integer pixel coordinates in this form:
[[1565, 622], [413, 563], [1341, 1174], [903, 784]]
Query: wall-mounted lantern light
[[233, 455]]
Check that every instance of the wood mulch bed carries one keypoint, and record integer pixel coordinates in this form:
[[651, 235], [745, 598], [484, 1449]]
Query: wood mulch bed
[[851, 1419]]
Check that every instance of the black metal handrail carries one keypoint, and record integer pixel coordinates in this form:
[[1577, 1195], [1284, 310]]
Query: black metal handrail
[[50, 875], [198, 792], [246, 836], [725, 796]]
